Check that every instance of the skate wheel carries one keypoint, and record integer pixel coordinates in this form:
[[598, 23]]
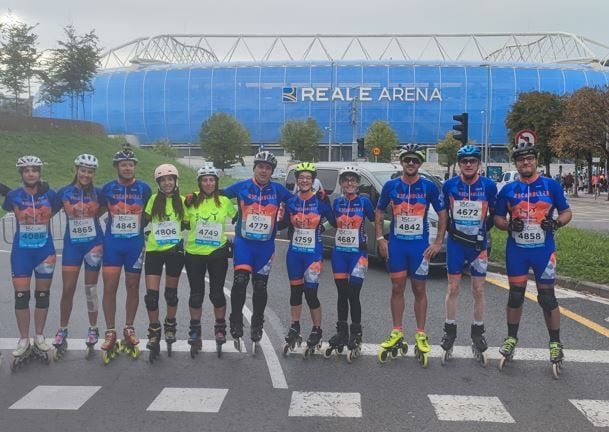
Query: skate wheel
[[340, 349], [56, 355], [254, 348], [394, 353], [88, 353], [106, 357], [556, 370], [219, 350], [404, 350], [502, 363], [445, 357], [237, 344], [424, 360], [382, 355], [152, 356], [328, 352], [298, 342], [169, 350], [307, 351], [483, 359], [193, 352], [46, 359], [286, 348], [135, 353], [350, 356]]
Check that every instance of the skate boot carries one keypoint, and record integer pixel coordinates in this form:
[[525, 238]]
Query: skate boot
[[339, 340], [109, 346], [220, 333], [22, 354], [169, 326], [479, 345], [556, 358], [313, 343], [154, 341], [91, 341], [256, 332], [507, 351], [448, 340], [354, 347], [194, 338], [60, 343], [292, 339], [236, 330], [41, 349], [130, 342], [422, 348], [392, 345]]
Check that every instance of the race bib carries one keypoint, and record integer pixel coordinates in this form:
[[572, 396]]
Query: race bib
[[467, 216], [258, 227], [532, 236], [125, 226], [347, 240], [166, 232], [408, 227], [82, 230], [208, 233], [33, 236], [303, 240]]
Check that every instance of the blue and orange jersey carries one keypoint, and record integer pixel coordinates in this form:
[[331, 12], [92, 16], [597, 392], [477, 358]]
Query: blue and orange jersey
[[258, 207], [305, 216], [126, 204], [410, 203], [350, 214], [470, 203], [33, 214], [532, 201], [81, 205]]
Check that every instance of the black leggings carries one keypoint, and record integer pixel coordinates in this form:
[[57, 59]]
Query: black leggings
[[216, 264], [348, 295]]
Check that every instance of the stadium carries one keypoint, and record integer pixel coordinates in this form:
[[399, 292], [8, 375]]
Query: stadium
[[164, 87]]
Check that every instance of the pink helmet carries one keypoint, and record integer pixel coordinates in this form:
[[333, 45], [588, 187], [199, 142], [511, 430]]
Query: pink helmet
[[165, 170]]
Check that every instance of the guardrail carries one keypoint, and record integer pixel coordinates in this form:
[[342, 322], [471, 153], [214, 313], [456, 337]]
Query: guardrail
[[9, 227]]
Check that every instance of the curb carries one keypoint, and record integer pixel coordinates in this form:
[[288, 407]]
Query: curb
[[564, 282]]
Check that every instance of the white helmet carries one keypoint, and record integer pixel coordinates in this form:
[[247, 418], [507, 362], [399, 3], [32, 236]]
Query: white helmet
[[207, 171], [28, 161], [87, 161], [165, 170], [349, 169]]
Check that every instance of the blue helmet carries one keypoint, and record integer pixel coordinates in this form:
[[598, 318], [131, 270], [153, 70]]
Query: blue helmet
[[468, 150]]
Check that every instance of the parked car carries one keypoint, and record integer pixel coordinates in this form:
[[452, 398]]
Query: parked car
[[373, 177], [507, 177]]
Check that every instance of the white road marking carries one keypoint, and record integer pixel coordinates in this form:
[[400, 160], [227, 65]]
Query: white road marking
[[470, 408], [56, 398], [596, 411], [325, 404], [203, 400]]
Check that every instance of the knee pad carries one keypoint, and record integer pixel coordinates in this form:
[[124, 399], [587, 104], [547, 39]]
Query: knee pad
[[260, 284], [42, 299], [217, 298], [516, 297], [171, 296], [195, 300], [91, 294], [547, 300], [22, 300], [240, 281], [296, 295], [311, 297], [152, 300]]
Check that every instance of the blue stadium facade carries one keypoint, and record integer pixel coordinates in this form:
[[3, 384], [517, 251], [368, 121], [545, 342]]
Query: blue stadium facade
[[418, 99]]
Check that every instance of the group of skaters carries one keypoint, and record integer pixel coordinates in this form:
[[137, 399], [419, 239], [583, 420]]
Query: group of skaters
[[467, 206]]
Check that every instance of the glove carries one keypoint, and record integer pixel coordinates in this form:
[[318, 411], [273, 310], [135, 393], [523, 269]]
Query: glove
[[190, 199], [516, 225], [4, 189], [550, 224], [43, 187]]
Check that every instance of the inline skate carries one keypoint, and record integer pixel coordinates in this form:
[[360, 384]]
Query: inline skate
[[479, 345], [448, 341], [292, 339], [220, 334], [392, 345], [130, 342], [507, 351], [256, 332], [354, 346], [194, 338], [236, 330], [339, 340], [154, 342], [40, 349], [422, 348], [60, 343], [22, 354], [169, 326], [109, 346], [91, 341], [556, 358], [313, 342]]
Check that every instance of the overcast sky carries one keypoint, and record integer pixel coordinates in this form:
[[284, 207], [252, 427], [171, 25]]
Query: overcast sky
[[117, 22]]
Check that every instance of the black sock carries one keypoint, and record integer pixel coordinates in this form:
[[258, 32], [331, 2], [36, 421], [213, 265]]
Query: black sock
[[513, 330], [554, 335]]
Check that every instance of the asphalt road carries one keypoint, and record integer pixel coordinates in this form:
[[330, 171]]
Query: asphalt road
[[270, 392], [589, 213]]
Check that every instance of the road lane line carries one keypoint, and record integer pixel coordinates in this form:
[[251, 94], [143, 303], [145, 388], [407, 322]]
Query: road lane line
[[564, 311]]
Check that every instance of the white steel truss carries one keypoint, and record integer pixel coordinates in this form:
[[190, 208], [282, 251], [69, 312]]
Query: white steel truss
[[555, 47]]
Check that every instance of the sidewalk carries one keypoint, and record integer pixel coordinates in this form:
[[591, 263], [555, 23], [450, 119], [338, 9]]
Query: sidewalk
[[586, 197]]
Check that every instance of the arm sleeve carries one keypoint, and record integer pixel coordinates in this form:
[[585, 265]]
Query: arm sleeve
[[8, 203], [231, 191], [435, 197], [328, 213], [560, 201], [491, 196], [57, 203], [501, 204], [384, 199]]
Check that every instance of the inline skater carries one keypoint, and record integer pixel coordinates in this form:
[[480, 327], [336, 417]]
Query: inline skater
[[408, 250], [82, 243], [164, 248], [349, 261], [32, 251], [258, 201], [304, 214], [207, 250], [470, 199], [530, 202], [126, 198]]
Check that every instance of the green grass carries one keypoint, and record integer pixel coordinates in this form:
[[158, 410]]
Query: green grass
[[581, 254]]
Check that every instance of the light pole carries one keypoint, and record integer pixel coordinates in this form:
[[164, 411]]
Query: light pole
[[329, 129], [484, 138]]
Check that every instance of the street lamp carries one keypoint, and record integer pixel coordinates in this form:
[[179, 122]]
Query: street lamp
[[484, 138], [329, 129]]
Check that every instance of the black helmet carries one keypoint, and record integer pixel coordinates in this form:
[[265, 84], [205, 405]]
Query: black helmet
[[124, 155], [267, 157], [412, 149], [523, 148]]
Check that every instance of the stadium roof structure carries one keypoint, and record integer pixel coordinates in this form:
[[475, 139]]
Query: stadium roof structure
[[540, 48]]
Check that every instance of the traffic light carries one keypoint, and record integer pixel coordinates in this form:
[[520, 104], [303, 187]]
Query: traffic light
[[461, 128], [361, 150]]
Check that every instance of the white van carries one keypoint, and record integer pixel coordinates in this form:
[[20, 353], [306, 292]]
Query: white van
[[507, 177]]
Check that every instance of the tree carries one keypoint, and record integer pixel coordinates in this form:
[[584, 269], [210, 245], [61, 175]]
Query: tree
[[381, 135], [224, 140], [18, 58], [164, 148], [447, 151], [538, 111], [301, 138]]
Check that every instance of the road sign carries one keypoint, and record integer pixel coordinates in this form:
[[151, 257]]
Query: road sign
[[526, 136], [376, 151]]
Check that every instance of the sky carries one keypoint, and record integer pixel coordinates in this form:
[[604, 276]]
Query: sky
[[117, 22]]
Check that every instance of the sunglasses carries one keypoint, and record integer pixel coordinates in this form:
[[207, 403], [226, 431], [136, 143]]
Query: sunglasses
[[409, 161], [471, 161]]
